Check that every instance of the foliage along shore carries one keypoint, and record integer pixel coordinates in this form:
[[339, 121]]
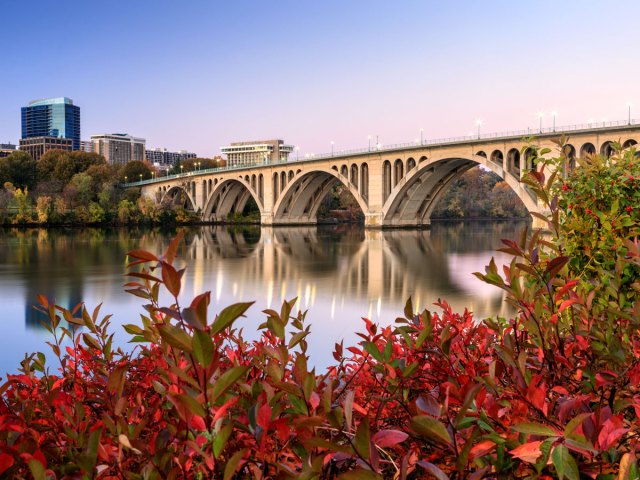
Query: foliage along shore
[[79, 188], [551, 392]]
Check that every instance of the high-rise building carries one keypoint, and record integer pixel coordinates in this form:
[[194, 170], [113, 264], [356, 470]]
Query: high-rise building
[[119, 148], [52, 118], [38, 146], [260, 151], [161, 157]]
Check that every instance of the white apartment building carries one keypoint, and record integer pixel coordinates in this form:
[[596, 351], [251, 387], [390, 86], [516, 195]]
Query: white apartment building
[[257, 152]]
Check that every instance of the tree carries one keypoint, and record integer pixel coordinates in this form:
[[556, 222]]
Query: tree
[[189, 165], [134, 171], [61, 165], [18, 168]]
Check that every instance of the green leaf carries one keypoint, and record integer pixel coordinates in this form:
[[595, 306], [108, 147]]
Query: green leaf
[[296, 339], [362, 440], [221, 438], [372, 349], [226, 380], [575, 423], [188, 403], [565, 464], [232, 464], [133, 329], [88, 458], [37, 469], [431, 429], [536, 429], [228, 316], [408, 310], [176, 337], [202, 348]]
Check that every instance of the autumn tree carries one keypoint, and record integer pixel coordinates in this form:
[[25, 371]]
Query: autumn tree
[[19, 168], [134, 171]]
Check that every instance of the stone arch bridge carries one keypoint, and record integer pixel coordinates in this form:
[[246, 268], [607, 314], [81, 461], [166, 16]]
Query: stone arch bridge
[[398, 186]]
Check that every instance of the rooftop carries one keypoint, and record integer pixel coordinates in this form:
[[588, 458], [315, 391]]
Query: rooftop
[[50, 101]]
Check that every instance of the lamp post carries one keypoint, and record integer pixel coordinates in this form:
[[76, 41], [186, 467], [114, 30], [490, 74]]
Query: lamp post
[[629, 114], [140, 177], [478, 123], [369, 142], [422, 136], [332, 148], [554, 113], [540, 115], [181, 169], [125, 179], [297, 152]]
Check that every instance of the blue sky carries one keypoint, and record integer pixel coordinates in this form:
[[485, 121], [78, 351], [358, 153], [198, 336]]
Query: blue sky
[[196, 75]]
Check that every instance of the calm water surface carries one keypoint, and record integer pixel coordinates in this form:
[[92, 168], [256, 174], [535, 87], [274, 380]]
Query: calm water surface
[[339, 274]]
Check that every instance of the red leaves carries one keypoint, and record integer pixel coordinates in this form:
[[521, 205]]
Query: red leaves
[[389, 438], [527, 452], [6, 461]]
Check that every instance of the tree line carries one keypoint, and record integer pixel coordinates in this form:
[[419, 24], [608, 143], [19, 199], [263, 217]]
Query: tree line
[[77, 187]]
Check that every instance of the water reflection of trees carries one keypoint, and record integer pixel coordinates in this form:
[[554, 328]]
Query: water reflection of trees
[[473, 236]]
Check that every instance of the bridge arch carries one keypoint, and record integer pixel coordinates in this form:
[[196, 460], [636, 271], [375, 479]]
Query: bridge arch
[[300, 200], [569, 153], [587, 149], [606, 150], [228, 197], [179, 194], [412, 202]]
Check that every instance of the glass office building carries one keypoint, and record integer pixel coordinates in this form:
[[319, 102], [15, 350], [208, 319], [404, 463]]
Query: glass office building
[[52, 117]]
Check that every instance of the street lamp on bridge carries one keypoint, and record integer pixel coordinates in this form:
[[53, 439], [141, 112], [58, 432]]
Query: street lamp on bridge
[[629, 110], [554, 113], [540, 115], [297, 152], [478, 123], [422, 136], [332, 148]]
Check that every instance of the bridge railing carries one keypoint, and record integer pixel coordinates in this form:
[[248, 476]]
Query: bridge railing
[[589, 126]]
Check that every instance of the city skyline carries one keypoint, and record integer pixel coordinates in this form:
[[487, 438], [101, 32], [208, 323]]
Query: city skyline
[[203, 75]]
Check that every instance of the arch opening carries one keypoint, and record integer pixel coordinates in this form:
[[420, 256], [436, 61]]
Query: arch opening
[[414, 201], [311, 197], [587, 149], [233, 201], [607, 149], [497, 157], [513, 162]]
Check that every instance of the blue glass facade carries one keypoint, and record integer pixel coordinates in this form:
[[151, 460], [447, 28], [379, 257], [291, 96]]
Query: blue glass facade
[[54, 117]]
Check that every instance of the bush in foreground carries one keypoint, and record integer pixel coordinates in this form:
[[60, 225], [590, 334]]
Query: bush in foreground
[[551, 393]]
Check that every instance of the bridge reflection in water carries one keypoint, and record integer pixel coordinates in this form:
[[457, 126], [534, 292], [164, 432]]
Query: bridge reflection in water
[[343, 273], [338, 273]]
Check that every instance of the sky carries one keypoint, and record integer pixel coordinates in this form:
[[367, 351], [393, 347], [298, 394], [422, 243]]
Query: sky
[[199, 74]]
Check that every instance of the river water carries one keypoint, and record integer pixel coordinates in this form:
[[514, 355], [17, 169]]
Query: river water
[[338, 273]]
